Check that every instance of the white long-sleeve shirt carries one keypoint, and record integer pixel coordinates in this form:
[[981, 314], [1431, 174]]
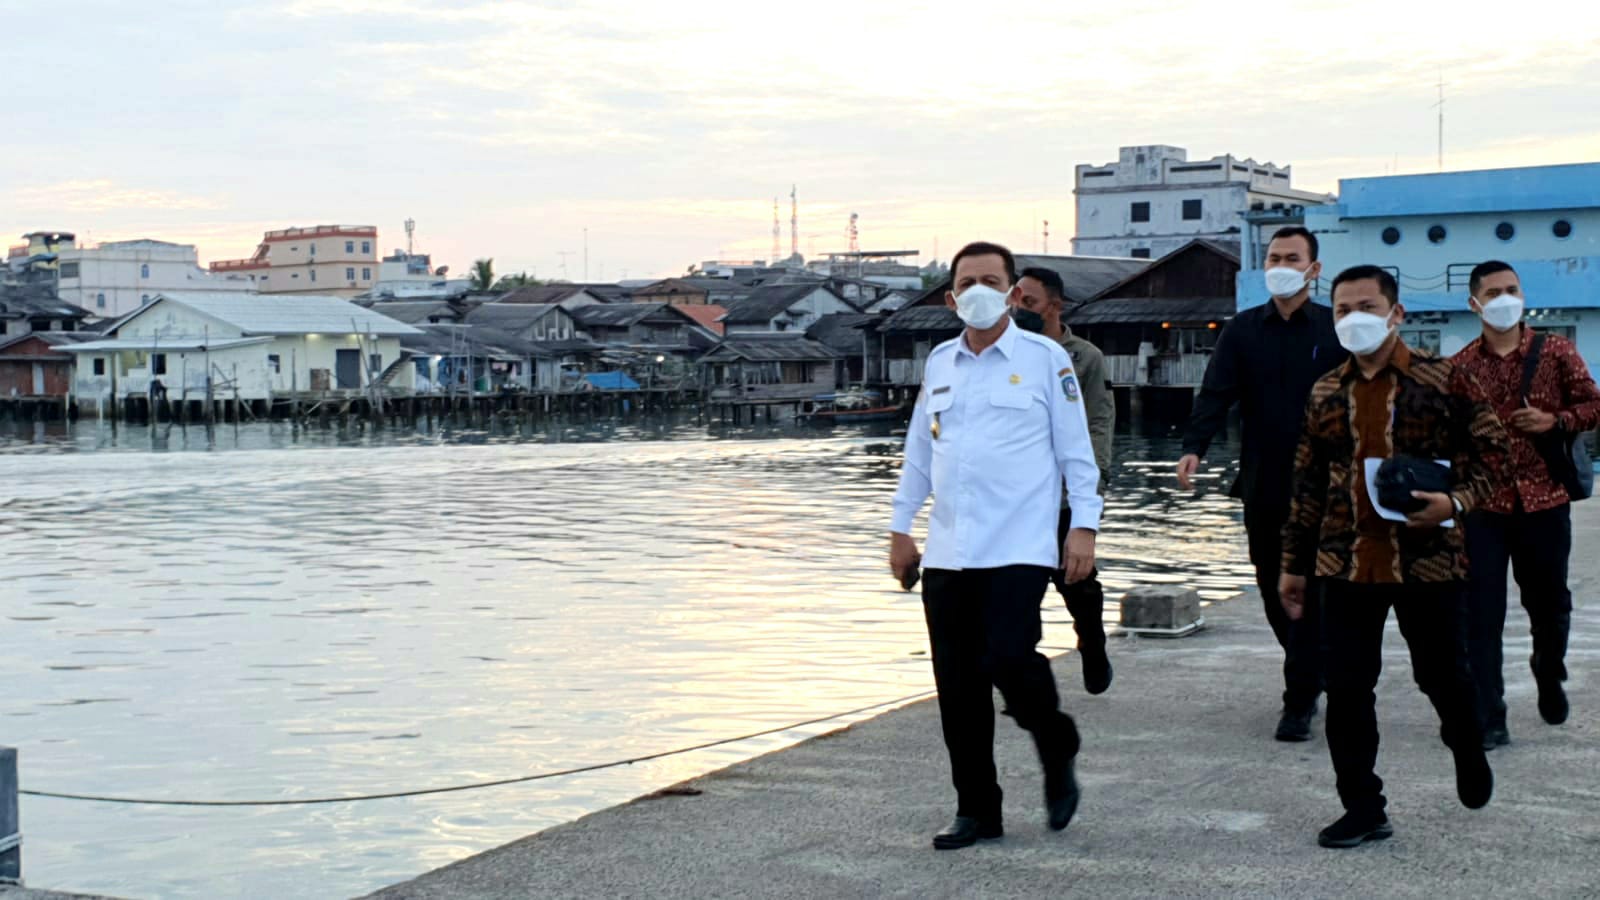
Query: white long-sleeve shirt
[[992, 438]]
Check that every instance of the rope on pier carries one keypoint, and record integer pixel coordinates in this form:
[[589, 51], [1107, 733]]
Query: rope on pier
[[139, 801]]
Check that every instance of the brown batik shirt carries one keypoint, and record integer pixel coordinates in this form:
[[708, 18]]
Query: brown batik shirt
[[1418, 405]]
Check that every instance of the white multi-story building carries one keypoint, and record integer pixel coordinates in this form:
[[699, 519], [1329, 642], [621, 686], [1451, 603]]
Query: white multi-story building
[[1153, 200], [117, 277]]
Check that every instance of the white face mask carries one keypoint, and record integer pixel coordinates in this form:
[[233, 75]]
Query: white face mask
[[1362, 333], [980, 306], [1502, 313], [1283, 281]]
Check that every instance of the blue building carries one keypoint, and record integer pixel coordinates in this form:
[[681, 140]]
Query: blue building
[[1430, 230]]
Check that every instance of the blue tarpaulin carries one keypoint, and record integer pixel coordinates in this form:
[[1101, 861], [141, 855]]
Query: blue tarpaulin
[[611, 381]]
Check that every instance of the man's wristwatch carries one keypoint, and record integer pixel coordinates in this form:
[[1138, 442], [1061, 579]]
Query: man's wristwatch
[[1456, 502]]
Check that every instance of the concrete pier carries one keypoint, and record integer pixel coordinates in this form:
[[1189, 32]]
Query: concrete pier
[[1185, 795]]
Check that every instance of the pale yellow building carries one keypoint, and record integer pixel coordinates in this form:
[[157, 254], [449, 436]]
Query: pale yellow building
[[336, 260]]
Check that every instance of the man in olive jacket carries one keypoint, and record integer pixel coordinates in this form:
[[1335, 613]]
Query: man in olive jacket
[[1040, 309]]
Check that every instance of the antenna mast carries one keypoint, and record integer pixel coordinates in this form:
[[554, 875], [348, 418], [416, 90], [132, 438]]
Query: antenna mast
[[794, 222], [411, 230], [1440, 106], [777, 233]]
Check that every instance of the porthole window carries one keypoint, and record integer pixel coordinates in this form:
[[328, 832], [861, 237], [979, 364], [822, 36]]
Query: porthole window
[[1505, 231], [1391, 235], [1436, 234], [1561, 229]]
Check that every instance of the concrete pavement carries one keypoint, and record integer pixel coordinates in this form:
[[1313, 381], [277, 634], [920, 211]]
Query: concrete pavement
[[1185, 795]]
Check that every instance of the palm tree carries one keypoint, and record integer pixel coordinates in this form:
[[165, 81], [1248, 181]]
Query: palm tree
[[482, 274]]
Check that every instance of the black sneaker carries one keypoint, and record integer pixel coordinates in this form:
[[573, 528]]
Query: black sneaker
[[1295, 725], [1495, 736], [1474, 778], [1354, 829], [1096, 668], [1552, 701]]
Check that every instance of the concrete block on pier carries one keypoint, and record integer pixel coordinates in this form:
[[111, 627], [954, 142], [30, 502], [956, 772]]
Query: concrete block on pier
[[1161, 609]]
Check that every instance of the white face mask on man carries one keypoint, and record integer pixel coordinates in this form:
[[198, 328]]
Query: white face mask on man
[[981, 306], [1362, 333], [1503, 312], [1283, 281]]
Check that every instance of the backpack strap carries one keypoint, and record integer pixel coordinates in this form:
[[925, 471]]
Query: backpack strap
[[1530, 365]]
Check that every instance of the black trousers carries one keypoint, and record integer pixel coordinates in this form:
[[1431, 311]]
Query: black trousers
[[1433, 622], [1536, 546], [1086, 599], [1301, 641], [983, 627]]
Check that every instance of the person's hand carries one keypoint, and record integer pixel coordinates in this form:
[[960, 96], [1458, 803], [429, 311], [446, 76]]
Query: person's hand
[[1187, 466], [1440, 507], [1292, 594], [903, 555], [1533, 421], [1078, 551]]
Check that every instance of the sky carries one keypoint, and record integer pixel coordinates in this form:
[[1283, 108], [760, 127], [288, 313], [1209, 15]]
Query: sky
[[506, 128]]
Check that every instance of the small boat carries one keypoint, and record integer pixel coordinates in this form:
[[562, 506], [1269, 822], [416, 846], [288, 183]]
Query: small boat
[[849, 408]]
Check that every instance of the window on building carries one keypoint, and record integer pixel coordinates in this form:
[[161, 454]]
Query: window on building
[[1437, 234], [143, 299], [312, 249], [1391, 235], [144, 270], [1424, 339], [158, 364], [313, 274], [1562, 229], [366, 246], [1505, 231], [2, 327], [349, 246], [100, 301], [294, 275], [99, 365], [349, 273], [274, 362], [69, 270], [1191, 210], [375, 361], [366, 274], [1140, 212], [1140, 253]]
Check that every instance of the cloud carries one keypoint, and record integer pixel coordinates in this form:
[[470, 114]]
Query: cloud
[[103, 195]]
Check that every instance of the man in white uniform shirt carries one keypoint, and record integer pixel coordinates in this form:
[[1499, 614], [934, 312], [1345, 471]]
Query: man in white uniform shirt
[[998, 424]]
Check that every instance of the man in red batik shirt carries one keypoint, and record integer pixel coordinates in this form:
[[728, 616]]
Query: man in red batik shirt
[[1527, 522]]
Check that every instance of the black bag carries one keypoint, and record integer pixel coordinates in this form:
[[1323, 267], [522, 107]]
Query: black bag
[[1565, 454], [1398, 476]]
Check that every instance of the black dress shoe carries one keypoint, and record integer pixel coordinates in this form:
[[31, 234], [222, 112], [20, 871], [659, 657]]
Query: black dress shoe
[[1354, 829], [966, 831], [1061, 793], [1552, 701], [1474, 778], [1295, 724], [1096, 669]]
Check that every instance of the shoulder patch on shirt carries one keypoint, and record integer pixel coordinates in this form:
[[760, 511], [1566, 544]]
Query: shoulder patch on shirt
[[1066, 371], [1069, 386]]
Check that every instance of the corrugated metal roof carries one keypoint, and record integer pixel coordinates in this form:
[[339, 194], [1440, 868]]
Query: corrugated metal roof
[[940, 319], [615, 315], [1140, 310], [770, 348], [768, 302], [286, 314], [26, 301], [841, 332], [412, 311], [174, 345]]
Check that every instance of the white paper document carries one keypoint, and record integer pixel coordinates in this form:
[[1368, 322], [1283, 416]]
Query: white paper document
[[1371, 467]]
